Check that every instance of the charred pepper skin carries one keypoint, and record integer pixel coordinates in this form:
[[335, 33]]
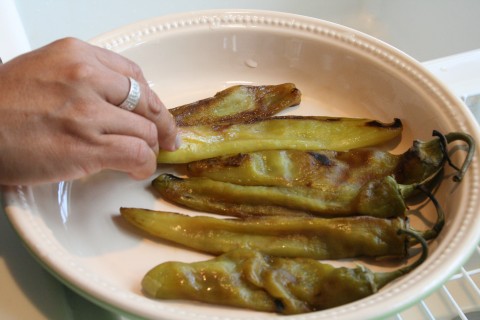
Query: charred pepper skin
[[307, 237], [236, 104], [249, 279], [310, 237], [379, 198], [263, 279], [320, 168], [281, 132], [322, 183]]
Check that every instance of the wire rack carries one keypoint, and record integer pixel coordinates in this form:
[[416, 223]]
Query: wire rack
[[458, 298]]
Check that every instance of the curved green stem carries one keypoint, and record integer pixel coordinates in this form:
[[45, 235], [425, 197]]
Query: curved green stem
[[383, 278], [454, 136], [439, 223], [419, 239]]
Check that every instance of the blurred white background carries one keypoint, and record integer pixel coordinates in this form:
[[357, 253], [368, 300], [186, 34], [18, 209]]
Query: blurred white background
[[425, 29]]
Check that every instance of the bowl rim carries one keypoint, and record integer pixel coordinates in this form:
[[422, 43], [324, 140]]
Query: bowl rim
[[16, 198]]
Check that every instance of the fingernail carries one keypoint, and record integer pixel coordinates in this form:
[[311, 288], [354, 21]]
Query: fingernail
[[178, 142]]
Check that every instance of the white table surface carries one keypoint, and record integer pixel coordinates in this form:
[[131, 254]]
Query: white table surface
[[426, 30]]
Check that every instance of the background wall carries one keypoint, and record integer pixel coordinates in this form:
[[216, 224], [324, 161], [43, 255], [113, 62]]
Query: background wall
[[426, 29]]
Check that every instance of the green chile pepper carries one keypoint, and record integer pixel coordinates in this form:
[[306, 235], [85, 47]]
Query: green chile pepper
[[307, 237], [305, 183], [249, 279], [239, 103], [379, 198], [324, 168], [275, 133]]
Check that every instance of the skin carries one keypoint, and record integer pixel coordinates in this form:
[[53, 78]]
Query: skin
[[60, 121], [285, 236]]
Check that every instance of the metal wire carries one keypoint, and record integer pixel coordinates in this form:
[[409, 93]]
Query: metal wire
[[456, 299], [427, 310]]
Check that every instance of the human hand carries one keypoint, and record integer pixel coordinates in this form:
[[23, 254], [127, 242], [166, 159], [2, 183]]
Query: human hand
[[59, 118]]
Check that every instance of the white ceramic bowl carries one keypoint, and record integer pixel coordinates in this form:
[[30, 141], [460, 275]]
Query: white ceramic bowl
[[74, 230]]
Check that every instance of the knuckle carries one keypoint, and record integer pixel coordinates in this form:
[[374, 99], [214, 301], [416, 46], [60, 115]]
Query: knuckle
[[68, 43], [90, 167], [75, 66], [148, 133], [153, 102], [140, 154], [151, 133], [143, 162], [135, 70], [79, 72], [170, 129]]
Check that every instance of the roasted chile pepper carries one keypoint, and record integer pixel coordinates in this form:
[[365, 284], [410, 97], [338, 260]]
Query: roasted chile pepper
[[380, 198], [246, 278], [239, 103], [316, 168], [281, 132], [260, 279], [326, 168], [325, 183], [292, 168], [306, 237]]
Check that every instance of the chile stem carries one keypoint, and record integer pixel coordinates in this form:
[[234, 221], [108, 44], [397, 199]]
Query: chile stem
[[453, 136], [383, 278]]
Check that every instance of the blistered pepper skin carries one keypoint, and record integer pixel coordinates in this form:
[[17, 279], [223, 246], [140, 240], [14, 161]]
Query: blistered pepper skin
[[325, 182], [307, 237], [249, 279], [379, 198], [276, 133], [321, 168], [236, 104]]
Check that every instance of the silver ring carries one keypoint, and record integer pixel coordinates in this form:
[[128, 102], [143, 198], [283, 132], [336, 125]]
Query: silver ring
[[131, 102]]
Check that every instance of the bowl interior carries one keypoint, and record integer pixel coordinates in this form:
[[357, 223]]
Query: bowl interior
[[185, 58]]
